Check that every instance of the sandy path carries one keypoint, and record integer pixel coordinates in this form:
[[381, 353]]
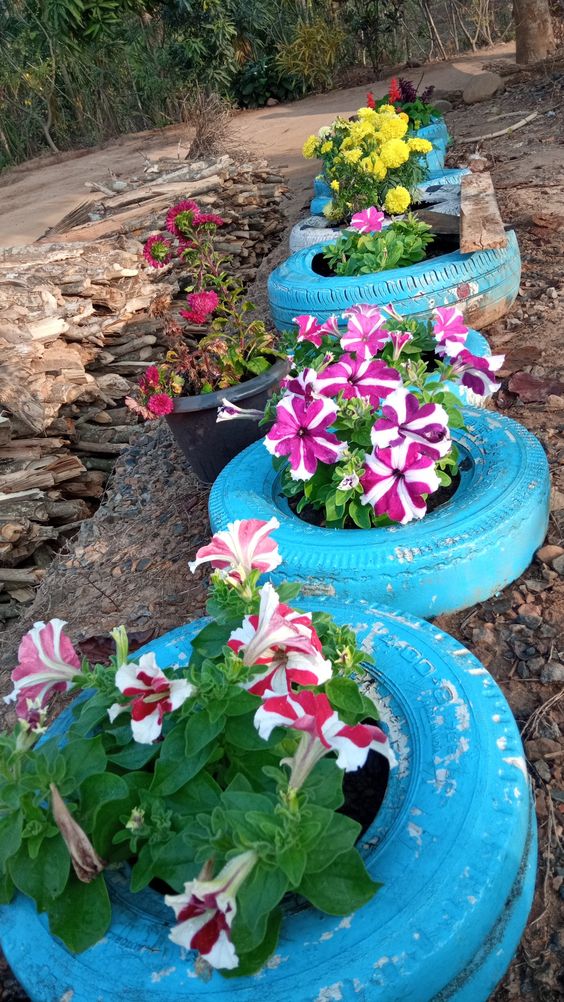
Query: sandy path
[[38, 194]]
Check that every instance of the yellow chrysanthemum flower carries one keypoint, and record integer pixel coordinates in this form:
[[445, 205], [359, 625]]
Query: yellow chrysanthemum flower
[[310, 148], [404, 116], [335, 185], [360, 131], [368, 115], [420, 145], [397, 200], [347, 143], [352, 156], [326, 147], [394, 153], [387, 109], [378, 168]]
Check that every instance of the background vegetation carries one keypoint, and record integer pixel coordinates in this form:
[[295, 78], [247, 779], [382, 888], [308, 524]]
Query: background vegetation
[[76, 72]]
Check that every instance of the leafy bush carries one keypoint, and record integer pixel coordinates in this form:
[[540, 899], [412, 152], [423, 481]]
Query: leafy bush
[[262, 78], [313, 52]]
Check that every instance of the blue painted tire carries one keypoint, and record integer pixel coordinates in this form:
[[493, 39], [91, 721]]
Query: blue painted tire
[[303, 235], [462, 553], [436, 133], [483, 284], [320, 186], [434, 160], [454, 844]]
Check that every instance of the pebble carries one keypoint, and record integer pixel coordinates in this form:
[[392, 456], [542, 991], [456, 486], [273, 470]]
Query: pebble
[[558, 565], [543, 770], [553, 672], [547, 554]]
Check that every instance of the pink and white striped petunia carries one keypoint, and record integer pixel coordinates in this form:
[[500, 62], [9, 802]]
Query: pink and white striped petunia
[[231, 412], [283, 640], [206, 909], [243, 547], [47, 663], [152, 695], [478, 374], [362, 310], [368, 221], [303, 385], [323, 732], [395, 481], [405, 419], [364, 335], [309, 328], [399, 340], [449, 330], [301, 433], [368, 378]]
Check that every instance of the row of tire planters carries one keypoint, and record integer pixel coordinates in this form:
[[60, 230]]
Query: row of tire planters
[[462, 552], [483, 285], [442, 197], [454, 845], [208, 445]]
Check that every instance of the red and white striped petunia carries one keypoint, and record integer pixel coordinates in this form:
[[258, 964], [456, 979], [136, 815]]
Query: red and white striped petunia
[[152, 695], [478, 374], [301, 433], [395, 481], [206, 909], [243, 547], [450, 331], [283, 640], [364, 334], [368, 221], [47, 663], [405, 419], [324, 732], [368, 378]]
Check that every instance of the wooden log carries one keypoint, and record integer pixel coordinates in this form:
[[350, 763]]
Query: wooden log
[[5, 429], [481, 225], [22, 575]]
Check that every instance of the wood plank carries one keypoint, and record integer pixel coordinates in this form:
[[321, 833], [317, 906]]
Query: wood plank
[[481, 225]]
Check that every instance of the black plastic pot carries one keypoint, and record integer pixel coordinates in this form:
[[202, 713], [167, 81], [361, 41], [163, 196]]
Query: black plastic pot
[[209, 446]]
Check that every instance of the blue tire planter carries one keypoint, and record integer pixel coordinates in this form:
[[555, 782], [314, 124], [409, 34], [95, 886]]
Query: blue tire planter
[[461, 553], [483, 284], [454, 844], [436, 133]]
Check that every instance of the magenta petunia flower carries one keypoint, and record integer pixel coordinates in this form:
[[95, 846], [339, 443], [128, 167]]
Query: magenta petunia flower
[[301, 433], [157, 251], [309, 328], [365, 335], [395, 481], [399, 339], [369, 378], [362, 310], [450, 331], [405, 419], [302, 385], [368, 221], [160, 404], [478, 374]]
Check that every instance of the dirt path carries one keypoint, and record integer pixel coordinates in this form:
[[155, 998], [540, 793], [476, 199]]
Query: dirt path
[[36, 195]]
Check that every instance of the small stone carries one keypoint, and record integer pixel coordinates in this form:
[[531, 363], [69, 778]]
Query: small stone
[[535, 586], [535, 664], [143, 564], [548, 553], [539, 747], [543, 770], [272, 102], [523, 670], [558, 564], [553, 672], [556, 500], [481, 87], [442, 105], [119, 186]]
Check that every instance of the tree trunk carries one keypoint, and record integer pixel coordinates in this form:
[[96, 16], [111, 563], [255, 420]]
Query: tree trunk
[[533, 30]]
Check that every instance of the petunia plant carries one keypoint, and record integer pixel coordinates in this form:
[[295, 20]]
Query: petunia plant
[[218, 780], [362, 430], [366, 247]]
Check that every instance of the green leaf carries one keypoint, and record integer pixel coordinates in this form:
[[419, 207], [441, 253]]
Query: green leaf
[[134, 756], [340, 888], [292, 861], [212, 639], [44, 878], [343, 694], [254, 959], [7, 889], [242, 733], [262, 890], [10, 836], [339, 835], [81, 915], [185, 751], [96, 791], [89, 713], [324, 785], [83, 757]]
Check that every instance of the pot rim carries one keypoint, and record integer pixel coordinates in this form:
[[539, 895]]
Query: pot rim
[[241, 391]]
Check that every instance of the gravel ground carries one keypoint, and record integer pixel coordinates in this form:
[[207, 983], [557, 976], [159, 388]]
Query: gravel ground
[[129, 563]]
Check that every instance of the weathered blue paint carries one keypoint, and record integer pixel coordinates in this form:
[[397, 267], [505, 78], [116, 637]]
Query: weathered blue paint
[[454, 845], [436, 133], [483, 284], [463, 552], [444, 177]]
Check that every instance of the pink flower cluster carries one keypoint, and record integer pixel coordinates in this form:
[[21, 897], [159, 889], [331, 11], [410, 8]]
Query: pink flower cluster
[[186, 216], [201, 306], [474, 372], [157, 388], [157, 251]]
